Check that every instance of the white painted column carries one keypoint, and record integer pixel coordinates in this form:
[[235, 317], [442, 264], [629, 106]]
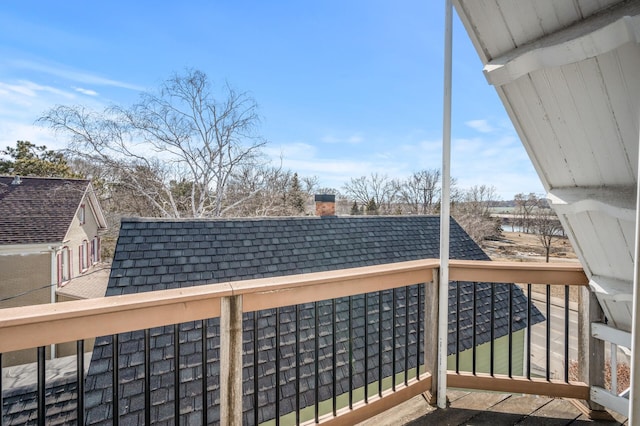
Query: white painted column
[[443, 305], [54, 286], [634, 397]]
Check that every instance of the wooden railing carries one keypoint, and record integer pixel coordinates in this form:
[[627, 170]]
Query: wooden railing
[[38, 326], [548, 274]]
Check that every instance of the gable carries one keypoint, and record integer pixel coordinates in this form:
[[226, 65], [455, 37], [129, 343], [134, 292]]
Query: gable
[[38, 210]]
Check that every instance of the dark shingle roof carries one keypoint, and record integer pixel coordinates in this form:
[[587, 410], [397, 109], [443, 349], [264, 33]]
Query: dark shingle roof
[[159, 254], [38, 210], [19, 405]]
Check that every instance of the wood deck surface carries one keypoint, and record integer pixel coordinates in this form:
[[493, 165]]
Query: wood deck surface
[[495, 409]]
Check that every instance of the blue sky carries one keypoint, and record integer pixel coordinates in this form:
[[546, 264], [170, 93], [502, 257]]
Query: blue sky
[[345, 87]]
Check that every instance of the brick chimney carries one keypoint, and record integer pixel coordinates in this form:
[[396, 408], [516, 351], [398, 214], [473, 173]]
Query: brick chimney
[[325, 205]]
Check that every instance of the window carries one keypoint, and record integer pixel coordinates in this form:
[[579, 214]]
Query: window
[[83, 252], [81, 214], [95, 250], [64, 265]]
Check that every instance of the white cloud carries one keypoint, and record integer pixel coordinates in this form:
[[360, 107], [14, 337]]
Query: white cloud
[[22, 102], [293, 150], [481, 126], [25, 88], [87, 92], [352, 140], [11, 132], [333, 172], [73, 75]]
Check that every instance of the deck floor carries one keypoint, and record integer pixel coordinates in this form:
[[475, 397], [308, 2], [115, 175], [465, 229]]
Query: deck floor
[[495, 409]]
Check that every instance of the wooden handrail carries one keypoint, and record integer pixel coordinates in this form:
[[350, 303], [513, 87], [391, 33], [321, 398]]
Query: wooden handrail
[[517, 272], [296, 289], [40, 325]]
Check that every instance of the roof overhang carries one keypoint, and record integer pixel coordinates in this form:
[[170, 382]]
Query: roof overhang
[[27, 249]]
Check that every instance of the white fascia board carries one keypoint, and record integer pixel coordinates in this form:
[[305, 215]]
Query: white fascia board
[[95, 207], [615, 201], [25, 249], [610, 334], [615, 289], [604, 397], [586, 39]]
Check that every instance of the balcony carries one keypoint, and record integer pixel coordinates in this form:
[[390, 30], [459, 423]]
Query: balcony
[[334, 347]]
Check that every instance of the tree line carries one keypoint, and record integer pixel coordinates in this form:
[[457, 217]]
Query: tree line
[[192, 149]]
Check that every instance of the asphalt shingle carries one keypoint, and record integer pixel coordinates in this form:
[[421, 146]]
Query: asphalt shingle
[[196, 252], [38, 210]]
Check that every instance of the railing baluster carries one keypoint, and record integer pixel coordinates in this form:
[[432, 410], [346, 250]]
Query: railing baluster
[[350, 352], [548, 335], [115, 359], [458, 327], [406, 336], [176, 374], [366, 347], [297, 365], [317, 361], [474, 355], [80, 381], [277, 373], [492, 329], [205, 401], [510, 339], [380, 343], [1, 392], [418, 333], [529, 310], [333, 356], [566, 334], [255, 368], [147, 377], [393, 339], [41, 386]]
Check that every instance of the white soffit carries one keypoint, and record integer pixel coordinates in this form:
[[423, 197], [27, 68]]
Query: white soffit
[[587, 39], [618, 202]]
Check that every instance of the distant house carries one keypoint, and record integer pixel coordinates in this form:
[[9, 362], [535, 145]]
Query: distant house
[[160, 254], [49, 235]]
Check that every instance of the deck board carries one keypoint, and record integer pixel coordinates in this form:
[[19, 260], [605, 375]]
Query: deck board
[[494, 409]]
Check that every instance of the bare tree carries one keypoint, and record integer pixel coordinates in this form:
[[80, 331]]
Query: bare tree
[[376, 187], [265, 191], [310, 184], [420, 192], [177, 148], [479, 199], [525, 205], [473, 213], [258, 191], [547, 227]]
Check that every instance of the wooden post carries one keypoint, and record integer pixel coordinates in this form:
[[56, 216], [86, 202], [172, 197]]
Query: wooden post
[[231, 361], [591, 360], [431, 334]]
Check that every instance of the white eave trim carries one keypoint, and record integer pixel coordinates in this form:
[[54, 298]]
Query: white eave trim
[[615, 201], [95, 207], [615, 289], [24, 249], [584, 40]]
